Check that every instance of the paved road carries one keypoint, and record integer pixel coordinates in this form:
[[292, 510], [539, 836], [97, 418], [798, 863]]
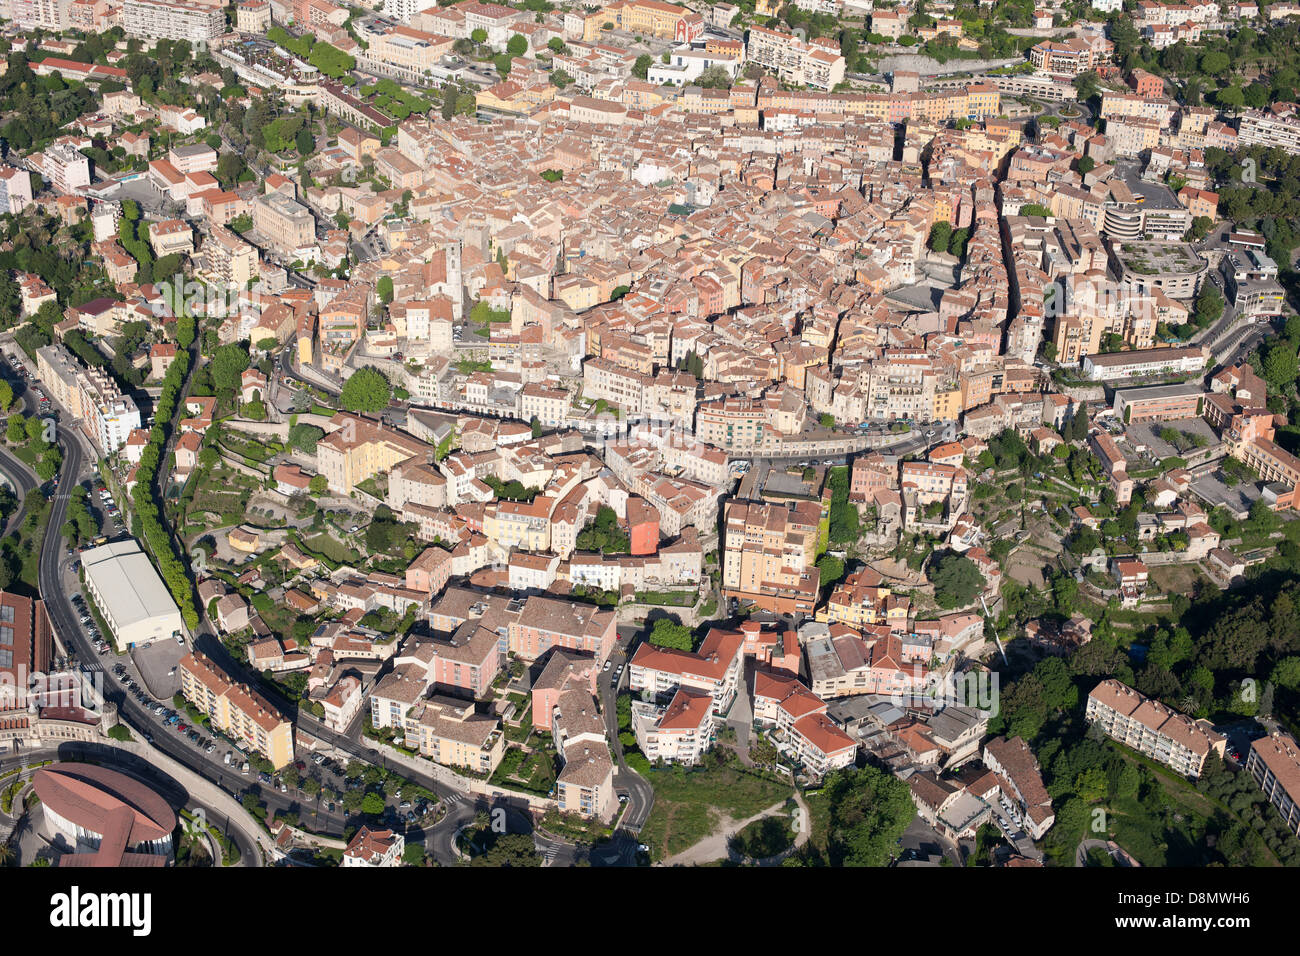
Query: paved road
[[1117, 853], [627, 782], [21, 478], [160, 782], [440, 839], [53, 550]]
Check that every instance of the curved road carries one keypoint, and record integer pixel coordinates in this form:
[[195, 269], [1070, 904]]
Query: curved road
[[175, 793], [21, 478]]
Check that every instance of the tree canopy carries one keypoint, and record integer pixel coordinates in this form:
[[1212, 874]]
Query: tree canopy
[[957, 580], [366, 390]]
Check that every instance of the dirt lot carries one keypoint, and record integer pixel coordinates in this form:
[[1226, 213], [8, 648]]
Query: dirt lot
[[1026, 566], [1179, 578]]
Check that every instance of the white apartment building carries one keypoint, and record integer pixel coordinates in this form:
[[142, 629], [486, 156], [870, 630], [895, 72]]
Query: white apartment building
[[89, 394], [404, 9], [113, 416], [1278, 127], [1151, 728], [196, 22], [28, 14], [815, 64], [682, 732], [1274, 763], [67, 169], [15, 190], [715, 669]]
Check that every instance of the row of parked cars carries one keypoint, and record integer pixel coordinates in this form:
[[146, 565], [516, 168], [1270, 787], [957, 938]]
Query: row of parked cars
[[89, 625], [168, 716], [107, 503]]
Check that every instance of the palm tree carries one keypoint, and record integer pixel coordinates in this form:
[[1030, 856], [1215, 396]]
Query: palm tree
[[8, 856]]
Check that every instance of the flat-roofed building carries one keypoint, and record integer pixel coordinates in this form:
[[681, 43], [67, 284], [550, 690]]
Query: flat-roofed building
[[90, 394], [67, 169], [130, 595], [1159, 403], [285, 223], [197, 21], [15, 190], [227, 259], [1111, 366]]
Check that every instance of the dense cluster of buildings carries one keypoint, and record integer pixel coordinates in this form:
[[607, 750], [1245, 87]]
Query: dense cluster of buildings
[[604, 302]]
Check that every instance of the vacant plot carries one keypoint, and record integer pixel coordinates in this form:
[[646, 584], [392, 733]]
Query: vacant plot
[[331, 547], [223, 492], [691, 804], [1179, 578], [1169, 827], [1026, 567]]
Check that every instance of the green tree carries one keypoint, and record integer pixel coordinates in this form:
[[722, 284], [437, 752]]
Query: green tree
[[668, 633], [1214, 63], [940, 236], [831, 568], [366, 390], [641, 68], [869, 810], [229, 363], [957, 580], [957, 244], [304, 437], [1280, 367]]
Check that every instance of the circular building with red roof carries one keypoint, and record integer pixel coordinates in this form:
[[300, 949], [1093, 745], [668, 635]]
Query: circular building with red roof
[[102, 817]]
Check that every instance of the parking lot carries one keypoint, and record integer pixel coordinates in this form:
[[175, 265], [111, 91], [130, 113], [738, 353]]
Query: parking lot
[[1240, 735], [157, 665], [1236, 499]]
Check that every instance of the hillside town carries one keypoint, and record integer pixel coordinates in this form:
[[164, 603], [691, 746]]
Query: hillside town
[[632, 434]]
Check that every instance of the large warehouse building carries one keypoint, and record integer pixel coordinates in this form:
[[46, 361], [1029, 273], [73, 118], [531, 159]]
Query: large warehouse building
[[122, 582]]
